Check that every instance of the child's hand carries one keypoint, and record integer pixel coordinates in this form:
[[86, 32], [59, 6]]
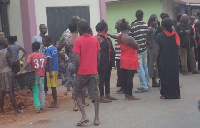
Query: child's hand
[[18, 74]]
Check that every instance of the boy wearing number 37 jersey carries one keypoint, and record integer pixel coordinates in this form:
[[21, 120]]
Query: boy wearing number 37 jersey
[[37, 61]]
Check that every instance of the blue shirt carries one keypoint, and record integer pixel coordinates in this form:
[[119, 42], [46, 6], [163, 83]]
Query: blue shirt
[[51, 52]]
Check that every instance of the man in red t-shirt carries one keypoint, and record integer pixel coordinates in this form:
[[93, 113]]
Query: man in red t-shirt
[[86, 49], [37, 61]]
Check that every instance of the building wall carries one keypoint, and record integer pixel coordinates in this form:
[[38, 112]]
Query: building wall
[[40, 8], [169, 6], [127, 10], [15, 20]]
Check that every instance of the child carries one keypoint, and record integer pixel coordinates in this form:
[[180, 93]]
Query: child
[[51, 68], [37, 61], [6, 76], [15, 48]]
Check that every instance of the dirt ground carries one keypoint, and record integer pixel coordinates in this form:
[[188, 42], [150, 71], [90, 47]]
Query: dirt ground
[[25, 103]]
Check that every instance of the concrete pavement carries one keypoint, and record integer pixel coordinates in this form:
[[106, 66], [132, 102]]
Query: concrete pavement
[[149, 112]]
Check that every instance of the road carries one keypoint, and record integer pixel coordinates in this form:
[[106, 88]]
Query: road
[[149, 112]]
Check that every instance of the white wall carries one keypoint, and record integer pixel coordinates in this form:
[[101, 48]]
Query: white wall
[[40, 9], [168, 7], [15, 20]]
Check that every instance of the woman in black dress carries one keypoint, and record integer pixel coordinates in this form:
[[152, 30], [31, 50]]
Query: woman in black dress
[[166, 60]]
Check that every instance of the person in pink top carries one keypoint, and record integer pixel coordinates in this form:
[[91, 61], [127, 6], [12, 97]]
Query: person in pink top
[[37, 61], [128, 60]]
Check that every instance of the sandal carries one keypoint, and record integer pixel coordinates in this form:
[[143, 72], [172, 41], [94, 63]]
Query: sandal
[[86, 104], [133, 98], [53, 105], [19, 112], [112, 98], [81, 122], [75, 109]]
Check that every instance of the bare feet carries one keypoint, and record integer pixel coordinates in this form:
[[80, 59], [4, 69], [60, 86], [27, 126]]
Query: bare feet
[[126, 97], [133, 98], [96, 122]]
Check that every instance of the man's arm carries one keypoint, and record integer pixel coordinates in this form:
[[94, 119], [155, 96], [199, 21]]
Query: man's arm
[[77, 63], [112, 36], [156, 55]]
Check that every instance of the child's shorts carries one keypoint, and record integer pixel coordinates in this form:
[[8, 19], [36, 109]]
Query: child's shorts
[[52, 82]]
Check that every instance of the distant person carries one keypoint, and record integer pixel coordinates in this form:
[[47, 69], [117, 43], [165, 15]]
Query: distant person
[[52, 68], [166, 59], [15, 48], [7, 81], [187, 40], [153, 72], [106, 63], [117, 58], [128, 60], [37, 61], [139, 32], [86, 49]]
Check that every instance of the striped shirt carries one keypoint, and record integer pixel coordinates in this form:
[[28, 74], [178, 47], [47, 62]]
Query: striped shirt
[[117, 49], [139, 31]]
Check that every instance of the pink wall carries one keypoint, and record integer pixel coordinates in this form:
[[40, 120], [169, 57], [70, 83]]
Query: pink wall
[[29, 26], [102, 5]]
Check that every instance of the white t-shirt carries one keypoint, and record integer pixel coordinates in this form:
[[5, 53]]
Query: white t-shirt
[[42, 47]]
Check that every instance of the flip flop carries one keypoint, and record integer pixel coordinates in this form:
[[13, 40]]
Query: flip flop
[[75, 109], [53, 105], [81, 122], [113, 98], [86, 104], [105, 101], [18, 112]]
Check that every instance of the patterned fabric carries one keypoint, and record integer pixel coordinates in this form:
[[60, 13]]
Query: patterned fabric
[[139, 31], [7, 81], [63, 60], [117, 48], [71, 65]]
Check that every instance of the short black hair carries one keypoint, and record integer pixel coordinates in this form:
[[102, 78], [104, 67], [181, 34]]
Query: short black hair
[[167, 24], [164, 15], [152, 19], [101, 26], [72, 27], [179, 16], [47, 38], [36, 45], [124, 25], [42, 25], [83, 26], [75, 18], [12, 38], [139, 14]]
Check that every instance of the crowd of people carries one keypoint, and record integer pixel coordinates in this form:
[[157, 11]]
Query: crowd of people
[[153, 49]]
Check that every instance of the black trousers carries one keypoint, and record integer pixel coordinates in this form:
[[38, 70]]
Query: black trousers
[[45, 83], [128, 81], [198, 57], [104, 81], [119, 74]]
